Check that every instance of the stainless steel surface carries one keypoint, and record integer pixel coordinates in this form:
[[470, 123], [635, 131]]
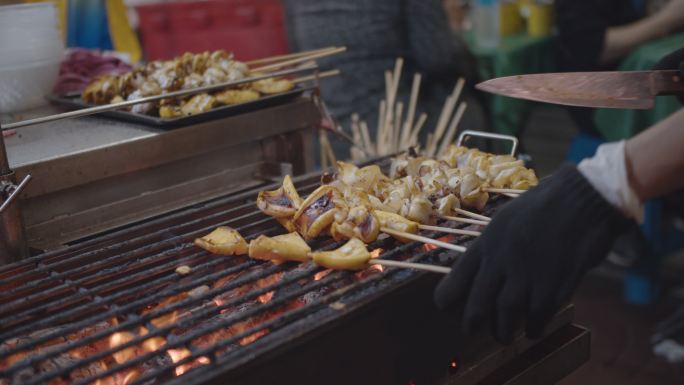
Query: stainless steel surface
[[13, 244], [46, 141], [632, 90], [117, 106], [13, 193], [481, 134], [83, 185]]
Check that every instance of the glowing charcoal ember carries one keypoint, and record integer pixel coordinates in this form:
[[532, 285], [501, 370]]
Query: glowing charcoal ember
[[288, 247], [322, 274], [353, 255], [121, 338], [223, 241]]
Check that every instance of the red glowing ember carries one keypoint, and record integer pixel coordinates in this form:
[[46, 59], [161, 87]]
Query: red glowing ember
[[321, 274]]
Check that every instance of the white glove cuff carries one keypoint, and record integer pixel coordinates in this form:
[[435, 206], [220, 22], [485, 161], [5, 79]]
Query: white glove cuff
[[607, 172]]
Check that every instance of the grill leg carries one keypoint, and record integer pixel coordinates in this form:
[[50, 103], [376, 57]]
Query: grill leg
[[12, 238]]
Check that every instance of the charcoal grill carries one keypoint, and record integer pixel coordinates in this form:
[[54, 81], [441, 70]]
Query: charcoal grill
[[256, 323]]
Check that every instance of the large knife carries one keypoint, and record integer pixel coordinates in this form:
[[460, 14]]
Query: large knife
[[633, 90]]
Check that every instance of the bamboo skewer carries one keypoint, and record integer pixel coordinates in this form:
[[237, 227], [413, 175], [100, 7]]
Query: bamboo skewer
[[411, 113], [410, 265], [504, 190], [450, 104], [451, 131], [357, 149], [416, 130], [365, 135], [511, 195], [294, 55], [299, 60], [473, 215], [442, 122], [420, 238], [396, 132], [448, 230], [464, 220], [381, 124], [320, 75]]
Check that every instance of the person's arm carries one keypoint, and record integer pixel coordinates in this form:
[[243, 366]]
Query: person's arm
[[620, 40], [533, 254], [655, 158]]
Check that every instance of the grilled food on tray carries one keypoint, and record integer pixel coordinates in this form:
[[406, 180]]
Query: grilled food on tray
[[185, 72]]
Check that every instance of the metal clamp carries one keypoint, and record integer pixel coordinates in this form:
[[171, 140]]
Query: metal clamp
[[489, 135], [12, 192]]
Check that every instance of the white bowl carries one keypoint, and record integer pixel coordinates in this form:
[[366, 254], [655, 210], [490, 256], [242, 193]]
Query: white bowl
[[25, 86]]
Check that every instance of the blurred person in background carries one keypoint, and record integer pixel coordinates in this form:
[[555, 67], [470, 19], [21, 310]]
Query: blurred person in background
[[376, 33], [595, 35]]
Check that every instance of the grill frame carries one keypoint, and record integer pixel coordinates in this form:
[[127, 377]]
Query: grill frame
[[373, 292]]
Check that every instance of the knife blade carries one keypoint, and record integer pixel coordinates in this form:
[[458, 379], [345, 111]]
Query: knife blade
[[627, 89]]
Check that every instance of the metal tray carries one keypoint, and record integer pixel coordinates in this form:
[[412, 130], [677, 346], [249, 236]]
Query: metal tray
[[73, 101]]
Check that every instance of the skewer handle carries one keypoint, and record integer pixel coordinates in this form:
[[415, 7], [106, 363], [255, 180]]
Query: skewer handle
[[505, 190], [473, 215], [288, 56], [411, 265], [448, 230], [464, 220], [301, 59], [420, 238]]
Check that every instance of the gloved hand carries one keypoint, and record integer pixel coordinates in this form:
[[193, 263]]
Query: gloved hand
[[531, 257], [673, 61]]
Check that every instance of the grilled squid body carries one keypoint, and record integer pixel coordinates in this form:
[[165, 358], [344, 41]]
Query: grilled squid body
[[353, 255], [282, 203], [288, 247], [364, 179], [318, 212], [223, 241]]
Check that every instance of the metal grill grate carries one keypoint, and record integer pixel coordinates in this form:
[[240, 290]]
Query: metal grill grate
[[83, 295]]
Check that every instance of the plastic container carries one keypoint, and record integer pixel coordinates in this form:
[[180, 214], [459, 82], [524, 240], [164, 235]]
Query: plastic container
[[25, 86], [485, 19]]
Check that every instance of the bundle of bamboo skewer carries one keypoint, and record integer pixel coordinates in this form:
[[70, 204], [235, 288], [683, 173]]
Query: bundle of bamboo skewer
[[399, 128]]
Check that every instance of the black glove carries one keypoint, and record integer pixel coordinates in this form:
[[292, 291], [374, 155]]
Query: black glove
[[531, 257], [673, 61]]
